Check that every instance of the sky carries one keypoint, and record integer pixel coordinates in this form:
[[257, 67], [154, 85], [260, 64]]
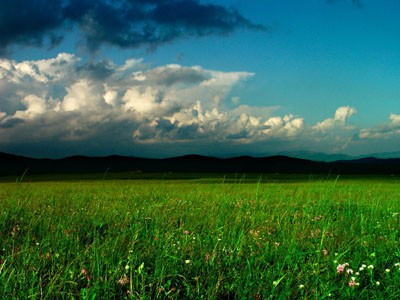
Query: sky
[[161, 78]]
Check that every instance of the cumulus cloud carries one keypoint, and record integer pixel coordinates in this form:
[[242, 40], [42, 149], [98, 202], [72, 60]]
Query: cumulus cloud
[[387, 131], [342, 114], [102, 107], [64, 101], [126, 24]]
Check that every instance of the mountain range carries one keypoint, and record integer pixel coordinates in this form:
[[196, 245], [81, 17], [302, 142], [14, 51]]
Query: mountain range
[[11, 164]]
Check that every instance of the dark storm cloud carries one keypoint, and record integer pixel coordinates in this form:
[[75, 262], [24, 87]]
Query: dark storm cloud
[[123, 23], [29, 22], [10, 123]]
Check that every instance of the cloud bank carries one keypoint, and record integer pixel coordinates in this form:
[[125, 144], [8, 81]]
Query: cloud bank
[[122, 23], [63, 105]]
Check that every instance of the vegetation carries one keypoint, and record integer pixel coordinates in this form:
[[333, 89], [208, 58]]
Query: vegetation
[[194, 239]]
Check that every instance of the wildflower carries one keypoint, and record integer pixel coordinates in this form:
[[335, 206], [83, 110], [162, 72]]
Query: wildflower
[[387, 270], [370, 267], [301, 286], [352, 282], [186, 232], [188, 261], [275, 283], [377, 283], [340, 268], [325, 252], [127, 267], [123, 280], [349, 271]]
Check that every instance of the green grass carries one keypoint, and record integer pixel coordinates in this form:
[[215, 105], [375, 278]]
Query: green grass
[[200, 239]]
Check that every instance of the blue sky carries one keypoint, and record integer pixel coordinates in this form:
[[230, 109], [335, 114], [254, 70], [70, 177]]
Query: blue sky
[[163, 78]]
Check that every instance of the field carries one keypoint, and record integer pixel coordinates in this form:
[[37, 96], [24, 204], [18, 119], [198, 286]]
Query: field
[[212, 238]]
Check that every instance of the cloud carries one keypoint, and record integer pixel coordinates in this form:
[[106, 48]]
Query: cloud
[[29, 22], [126, 24], [64, 99], [342, 114], [66, 102], [386, 131], [65, 105]]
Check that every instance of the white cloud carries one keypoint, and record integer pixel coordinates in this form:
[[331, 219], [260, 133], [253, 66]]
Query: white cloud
[[386, 131], [84, 96], [35, 106], [342, 114], [395, 118], [110, 97], [63, 100], [145, 101], [287, 126]]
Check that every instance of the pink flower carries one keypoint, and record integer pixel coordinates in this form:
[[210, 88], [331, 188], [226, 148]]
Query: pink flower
[[186, 232], [352, 282], [340, 268]]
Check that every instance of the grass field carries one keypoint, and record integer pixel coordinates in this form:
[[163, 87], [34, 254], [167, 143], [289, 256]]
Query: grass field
[[200, 239]]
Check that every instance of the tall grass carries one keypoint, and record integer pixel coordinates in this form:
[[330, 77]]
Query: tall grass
[[193, 240]]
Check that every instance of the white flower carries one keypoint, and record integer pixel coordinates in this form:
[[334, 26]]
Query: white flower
[[349, 271]]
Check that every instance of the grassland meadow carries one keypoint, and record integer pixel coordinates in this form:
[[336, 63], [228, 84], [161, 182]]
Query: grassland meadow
[[200, 239]]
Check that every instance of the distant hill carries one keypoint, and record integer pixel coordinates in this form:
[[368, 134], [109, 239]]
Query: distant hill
[[16, 165]]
